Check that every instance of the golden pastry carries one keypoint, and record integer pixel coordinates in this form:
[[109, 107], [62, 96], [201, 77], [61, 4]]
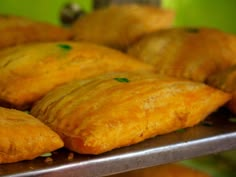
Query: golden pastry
[[18, 30], [170, 170], [226, 80], [119, 109], [28, 72], [187, 52], [23, 137], [120, 25]]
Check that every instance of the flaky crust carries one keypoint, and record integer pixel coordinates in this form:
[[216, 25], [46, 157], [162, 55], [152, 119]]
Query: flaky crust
[[226, 81], [18, 30], [187, 52], [119, 26], [22, 137], [170, 170], [28, 72], [114, 110]]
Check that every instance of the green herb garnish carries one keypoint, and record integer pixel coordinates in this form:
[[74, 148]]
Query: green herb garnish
[[122, 79], [192, 30], [232, 119], [207, 123], [48, 154], [65, 46], [181, 130], [27, 111]]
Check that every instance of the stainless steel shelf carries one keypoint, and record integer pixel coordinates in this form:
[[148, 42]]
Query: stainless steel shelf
[[192, 142]]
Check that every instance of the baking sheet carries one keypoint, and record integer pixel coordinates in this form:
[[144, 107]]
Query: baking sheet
[[214, 135]]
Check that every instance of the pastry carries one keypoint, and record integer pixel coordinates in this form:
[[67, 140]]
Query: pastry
[[119, 26], [189, 53], [28, 72], [169, 170], [226, 81], [23, 137], [119, 109], [18, 30]]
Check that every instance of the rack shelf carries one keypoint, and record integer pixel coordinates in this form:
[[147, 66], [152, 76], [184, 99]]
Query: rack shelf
[[219, 135]]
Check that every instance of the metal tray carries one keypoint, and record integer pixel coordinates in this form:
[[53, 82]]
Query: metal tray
[[216, 135]]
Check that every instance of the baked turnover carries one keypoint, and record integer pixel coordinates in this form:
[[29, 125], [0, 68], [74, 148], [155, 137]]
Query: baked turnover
[[23, 137], [16, 30], [28, 72], [119, 26], [119, 109], [187, 52]]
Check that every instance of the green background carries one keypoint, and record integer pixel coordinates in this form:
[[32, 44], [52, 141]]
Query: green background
[[211, 13], [43, 10]]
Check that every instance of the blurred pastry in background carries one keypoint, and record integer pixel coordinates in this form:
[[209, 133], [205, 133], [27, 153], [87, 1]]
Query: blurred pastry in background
[[226, 81], [118, 26], [23, 137], [191, 53], [28, 72], [114, 110], [16, 30], [169, 170]]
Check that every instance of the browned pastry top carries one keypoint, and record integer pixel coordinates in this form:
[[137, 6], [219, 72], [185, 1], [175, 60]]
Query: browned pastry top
[[189, 53], [28, 72], [120, 109], [23, 137], [119, 26], [18, 30]]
